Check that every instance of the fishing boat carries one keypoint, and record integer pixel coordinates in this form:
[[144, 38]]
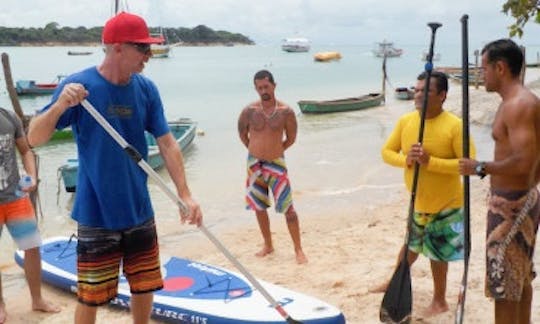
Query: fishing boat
[[295, 45], [347, 104], [404, 93], [79, 53], [183, 130], [33, 88], [386, 49], [327, 56]]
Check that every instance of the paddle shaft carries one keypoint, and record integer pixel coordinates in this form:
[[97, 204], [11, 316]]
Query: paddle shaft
[[466, 184], [428, 69], [137, 158]]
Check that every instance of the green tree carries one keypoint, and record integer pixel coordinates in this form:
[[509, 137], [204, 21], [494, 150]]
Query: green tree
[[521, 10]]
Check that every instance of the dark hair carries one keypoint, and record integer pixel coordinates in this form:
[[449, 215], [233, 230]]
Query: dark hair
[[505, 50], [440, 77], [262, 74]]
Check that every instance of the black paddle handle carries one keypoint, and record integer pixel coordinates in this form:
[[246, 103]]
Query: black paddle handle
[[466, 185], [428, 68]]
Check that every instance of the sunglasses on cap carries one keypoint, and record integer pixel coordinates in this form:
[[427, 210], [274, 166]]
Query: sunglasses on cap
[[142, 48]]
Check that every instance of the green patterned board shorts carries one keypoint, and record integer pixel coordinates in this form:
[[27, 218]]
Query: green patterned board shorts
[[438, 236]]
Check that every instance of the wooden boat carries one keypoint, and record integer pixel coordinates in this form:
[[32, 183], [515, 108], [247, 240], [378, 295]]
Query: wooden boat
[[295, 45], [183, 130], [348, 104], [327, 56], [404, 93], [386, 49]]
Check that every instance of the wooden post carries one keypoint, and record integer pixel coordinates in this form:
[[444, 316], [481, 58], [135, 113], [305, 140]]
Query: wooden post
[[476, 69], [11, 90], [384, 78]]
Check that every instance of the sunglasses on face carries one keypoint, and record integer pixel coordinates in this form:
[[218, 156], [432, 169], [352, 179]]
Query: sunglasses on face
[[141, 47]]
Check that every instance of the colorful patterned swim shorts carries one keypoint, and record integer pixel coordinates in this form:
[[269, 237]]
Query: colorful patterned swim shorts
[[438, 236], [263, 175]]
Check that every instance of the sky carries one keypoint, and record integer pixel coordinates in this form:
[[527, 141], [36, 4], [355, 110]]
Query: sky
[[268, 22]]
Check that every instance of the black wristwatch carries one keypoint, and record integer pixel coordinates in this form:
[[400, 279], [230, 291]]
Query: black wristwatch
[[480, 169]]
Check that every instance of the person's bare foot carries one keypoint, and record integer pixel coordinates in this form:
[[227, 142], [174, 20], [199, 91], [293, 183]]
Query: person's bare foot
[[435, 308], [380, 288], [45, 306], [264, 252], [301, 257], [3, 314]]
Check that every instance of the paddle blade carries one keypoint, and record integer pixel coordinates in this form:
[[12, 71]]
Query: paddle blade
[[293, 321], [396, 305]]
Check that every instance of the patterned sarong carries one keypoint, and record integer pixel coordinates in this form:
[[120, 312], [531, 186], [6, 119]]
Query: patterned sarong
[[263, 175], [512, 223]]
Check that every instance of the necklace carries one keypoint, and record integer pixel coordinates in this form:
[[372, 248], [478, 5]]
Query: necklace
[[271, 114]]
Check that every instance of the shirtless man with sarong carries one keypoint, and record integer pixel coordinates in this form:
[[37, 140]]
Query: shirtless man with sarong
[[267, 128], [513, 207]]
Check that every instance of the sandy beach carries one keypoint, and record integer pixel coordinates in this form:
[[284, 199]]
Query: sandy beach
[[349, 251]]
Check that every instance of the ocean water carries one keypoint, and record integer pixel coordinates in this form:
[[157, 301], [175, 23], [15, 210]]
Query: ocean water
[[335, 161]]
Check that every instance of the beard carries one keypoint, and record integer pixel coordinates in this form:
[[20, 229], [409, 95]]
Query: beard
[[266, 97]]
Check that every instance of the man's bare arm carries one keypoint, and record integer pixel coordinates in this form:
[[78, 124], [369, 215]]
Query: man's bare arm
[[291, 128], [243, 127]]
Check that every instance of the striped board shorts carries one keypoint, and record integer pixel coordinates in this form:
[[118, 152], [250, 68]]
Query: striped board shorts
[[19, 218], [264, 175], [100, 252]]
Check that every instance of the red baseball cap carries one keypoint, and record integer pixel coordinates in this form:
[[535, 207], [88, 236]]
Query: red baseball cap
[[127, 28]]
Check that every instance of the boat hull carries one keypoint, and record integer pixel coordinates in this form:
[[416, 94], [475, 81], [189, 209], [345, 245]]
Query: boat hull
[[340, 105], [326, 56], [31, 88], [295, 45], [404, 93]]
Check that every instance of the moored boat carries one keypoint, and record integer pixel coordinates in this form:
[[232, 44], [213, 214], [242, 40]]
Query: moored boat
[[183, 130], [295, 45], [33, 88], [327, 56], [404, 93], [387, 49], [79, 53], [339, 105]]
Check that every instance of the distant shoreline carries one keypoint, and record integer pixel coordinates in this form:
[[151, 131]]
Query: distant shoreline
[[93, 44]]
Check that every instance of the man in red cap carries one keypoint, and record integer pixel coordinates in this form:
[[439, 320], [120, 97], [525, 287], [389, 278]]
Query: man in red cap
[[113, 209]]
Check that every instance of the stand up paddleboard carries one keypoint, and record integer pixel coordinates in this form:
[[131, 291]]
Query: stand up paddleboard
[[194, 292]]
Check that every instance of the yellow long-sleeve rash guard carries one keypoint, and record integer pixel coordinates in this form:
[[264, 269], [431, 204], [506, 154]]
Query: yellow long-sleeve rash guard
[[439, 183]]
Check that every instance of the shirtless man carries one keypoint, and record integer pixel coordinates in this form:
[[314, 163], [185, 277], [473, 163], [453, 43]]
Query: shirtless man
[[513, 208], [267, 128]]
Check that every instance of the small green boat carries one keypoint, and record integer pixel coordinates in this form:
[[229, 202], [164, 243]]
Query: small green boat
[[62, 135], [348, 104]]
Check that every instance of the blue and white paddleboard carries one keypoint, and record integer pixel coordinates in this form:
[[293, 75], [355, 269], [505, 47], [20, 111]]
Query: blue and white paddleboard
[[194, 292]]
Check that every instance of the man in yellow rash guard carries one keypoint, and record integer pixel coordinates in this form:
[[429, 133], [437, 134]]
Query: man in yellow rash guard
[[437, 230]]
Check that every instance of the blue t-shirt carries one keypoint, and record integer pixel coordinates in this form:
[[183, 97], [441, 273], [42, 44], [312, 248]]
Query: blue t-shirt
[[112, 189]]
